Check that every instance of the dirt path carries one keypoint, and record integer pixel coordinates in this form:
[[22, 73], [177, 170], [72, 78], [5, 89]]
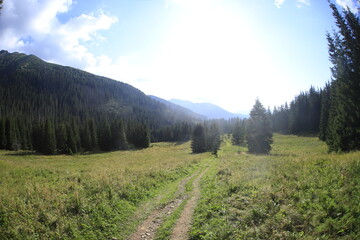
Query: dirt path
[[183, 224], [147, 230]]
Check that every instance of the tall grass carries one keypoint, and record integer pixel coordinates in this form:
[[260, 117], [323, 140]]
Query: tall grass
[[299, 191], [84, 196]]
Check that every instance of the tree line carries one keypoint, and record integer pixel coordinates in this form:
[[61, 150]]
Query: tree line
[[255, 132], [50, 137], [332, 112]]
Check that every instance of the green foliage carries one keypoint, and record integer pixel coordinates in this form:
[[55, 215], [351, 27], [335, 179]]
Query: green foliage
[[299, 191], [343, 131], [258, 131], [198, 139], [238, 132]]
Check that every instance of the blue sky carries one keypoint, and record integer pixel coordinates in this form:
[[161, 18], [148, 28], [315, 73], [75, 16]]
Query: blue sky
[[227, 52]]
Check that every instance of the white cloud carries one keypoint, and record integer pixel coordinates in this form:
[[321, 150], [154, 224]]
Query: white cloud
[[353, 5], [32, 26], [278, 3], [300, 3]]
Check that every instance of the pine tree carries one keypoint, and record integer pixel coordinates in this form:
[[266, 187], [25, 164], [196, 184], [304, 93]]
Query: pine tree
[[93, 133], [198, 140], [49, 141], [71, 140], [62, 139], [85, 136], [105, 138], [2, 134], [325, 106], [343, 130], [238, 133], [259, 133], [118, 136], [213, 138]]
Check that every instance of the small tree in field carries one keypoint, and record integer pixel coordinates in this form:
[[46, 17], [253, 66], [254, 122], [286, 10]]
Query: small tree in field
[[259, 134], [198, 139]]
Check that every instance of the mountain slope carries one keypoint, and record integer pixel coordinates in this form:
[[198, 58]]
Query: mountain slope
[[36, 89], [178, 108], [209, 110]]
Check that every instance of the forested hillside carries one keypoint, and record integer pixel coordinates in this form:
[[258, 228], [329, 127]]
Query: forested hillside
[[40, 100]]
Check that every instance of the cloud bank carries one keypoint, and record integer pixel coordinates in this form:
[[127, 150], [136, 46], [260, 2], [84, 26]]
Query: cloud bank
[[33, 26]]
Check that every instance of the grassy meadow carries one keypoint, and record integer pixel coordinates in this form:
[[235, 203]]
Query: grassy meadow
[[299, 191], [93, 196]]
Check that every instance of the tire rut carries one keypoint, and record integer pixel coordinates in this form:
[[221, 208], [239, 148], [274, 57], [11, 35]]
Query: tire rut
[[183, 224], [147, 229]]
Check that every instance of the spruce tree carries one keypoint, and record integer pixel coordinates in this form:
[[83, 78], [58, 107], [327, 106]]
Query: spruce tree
[[238, 134], [118, 136], [259, 134], [49, 141], [213, 138], [62, 139], [325, 106], [343, 130], [2, 134], [198, 140]]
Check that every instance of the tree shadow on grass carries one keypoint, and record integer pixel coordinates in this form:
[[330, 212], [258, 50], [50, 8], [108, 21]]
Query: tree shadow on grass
[[24, 153]]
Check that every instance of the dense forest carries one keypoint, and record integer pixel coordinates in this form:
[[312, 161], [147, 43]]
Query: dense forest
[[54, 109]]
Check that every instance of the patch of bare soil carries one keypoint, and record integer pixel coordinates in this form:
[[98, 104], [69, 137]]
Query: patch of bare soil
[[147, 230], [183, 224]]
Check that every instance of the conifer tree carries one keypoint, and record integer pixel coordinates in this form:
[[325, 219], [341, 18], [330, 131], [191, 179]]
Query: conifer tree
[[325, 106], [49, 139], [85, 136], [118, 136], [213, 138], [10, 135], [259, 134], [105, 138], [343, 130], [2, 134], [71, 140], [93, 133], [198, 140], [62, 139], [238, 133]]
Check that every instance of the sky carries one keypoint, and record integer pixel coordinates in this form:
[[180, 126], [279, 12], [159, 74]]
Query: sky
[[225, 52]]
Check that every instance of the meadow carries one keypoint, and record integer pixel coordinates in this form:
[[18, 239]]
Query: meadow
[[299, 191], [94, 196]]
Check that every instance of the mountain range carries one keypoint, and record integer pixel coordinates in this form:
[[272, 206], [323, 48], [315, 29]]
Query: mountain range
[[209, 110]]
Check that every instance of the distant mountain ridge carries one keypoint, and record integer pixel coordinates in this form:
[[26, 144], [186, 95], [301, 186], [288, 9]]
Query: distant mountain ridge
[[178, 108], [209, 110]]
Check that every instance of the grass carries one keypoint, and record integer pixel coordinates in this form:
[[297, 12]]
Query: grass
[[299, 191], [92, 196]]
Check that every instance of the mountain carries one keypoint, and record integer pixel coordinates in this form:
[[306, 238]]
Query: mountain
[[56, 109], [34, 88], [178, 108], [208, 110]]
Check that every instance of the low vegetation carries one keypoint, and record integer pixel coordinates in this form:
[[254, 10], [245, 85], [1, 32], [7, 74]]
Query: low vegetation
[[85, 196], [299, 191]]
